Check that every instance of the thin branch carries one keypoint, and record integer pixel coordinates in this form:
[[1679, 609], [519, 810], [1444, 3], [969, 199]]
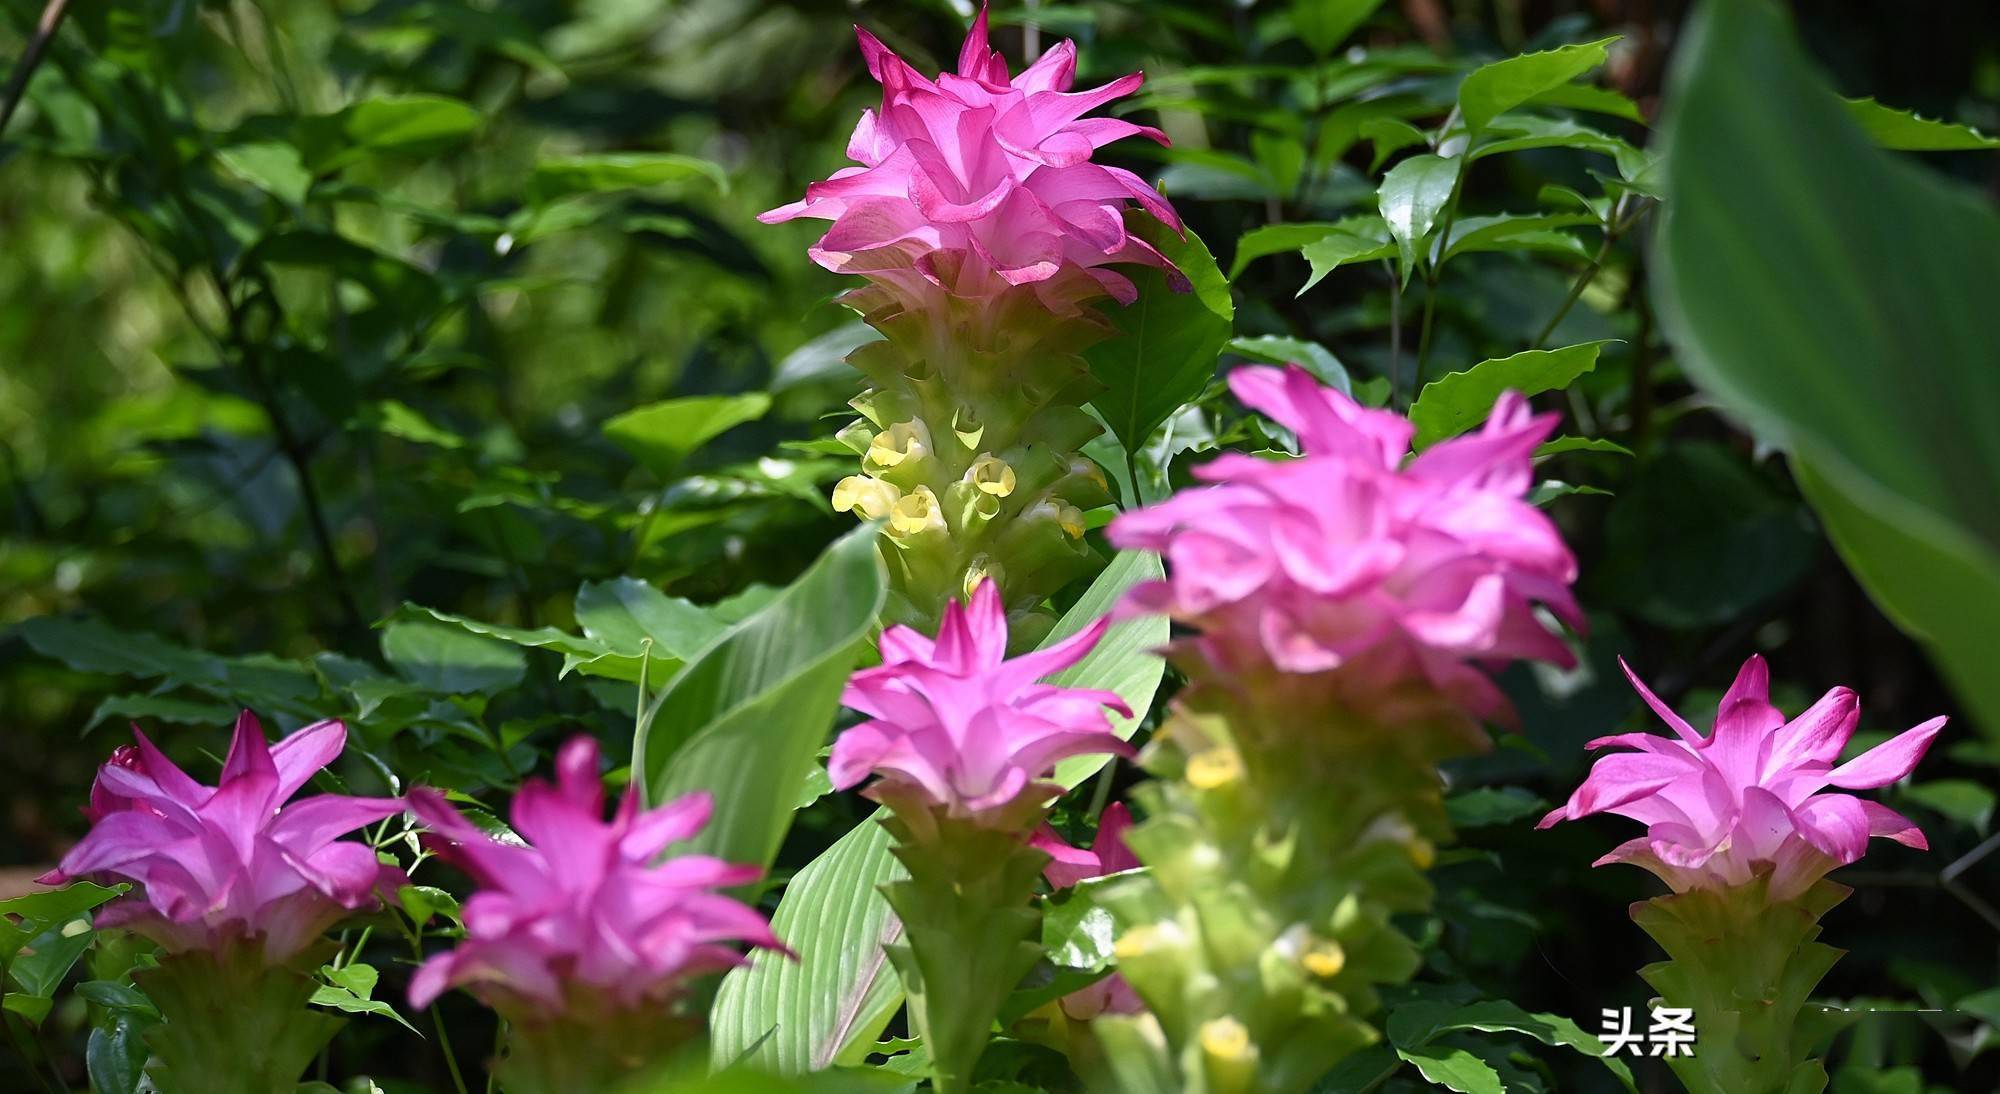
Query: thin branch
[[31, 58]]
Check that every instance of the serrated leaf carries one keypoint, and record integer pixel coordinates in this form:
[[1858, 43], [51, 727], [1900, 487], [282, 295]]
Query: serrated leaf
[[1453, 1069], [1454, 403], [1272, 239], [629, 616], [1355, 239], [1494, 89], [1905, 131]]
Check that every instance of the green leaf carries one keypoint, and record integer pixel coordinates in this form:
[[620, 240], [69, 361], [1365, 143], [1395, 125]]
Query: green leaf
[[1272, 239], [1453, 1069], [1905, 131], [794, 1017], [1277, 349], [1491, 805], [59, 905], [828, 1006], [272, 166], [451, 660], [1412, 195], [1499, 233], [1492, 90], [661, 435], [1452, 404], [161, 708], [1561, 445], [1962, 800], [1390, 136], [629, 616], [348, 988], [1518, 133], [1167, 342], [1353, 239], [1697, 539], [580, 654], [1587, 97], [769, 688], [408, 125], [1838, 298], [604, 172], [40, 966], [1324, 24], [1418, 1024]]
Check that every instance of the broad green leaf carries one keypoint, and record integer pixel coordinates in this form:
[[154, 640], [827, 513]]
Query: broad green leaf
[[1412, 195], [1588, 97], [602, 172], [1492, 90], [451, 660], [1167, 342], [1419, 1024], [1905, 131], [661, 435], [1489, 805], [1963, 800], [1323, 24], [1453, 1069], [1271, 239], [1355, 239], [629, 616], [1390, 136], [1277, 349], [1560, 445], [349, 988], [40, 966], [828, 1006], [769, 688], [1521, 133], [1839, 298], [161, 708], [580, 654], [1500, 233], [1452, 404], [59, 905]]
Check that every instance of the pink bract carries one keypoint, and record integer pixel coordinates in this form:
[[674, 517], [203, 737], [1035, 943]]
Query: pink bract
[[585, 910], [976, 182], [1750, 796], [232, 861], [1107, 854], [963, 725], [1351, 559]]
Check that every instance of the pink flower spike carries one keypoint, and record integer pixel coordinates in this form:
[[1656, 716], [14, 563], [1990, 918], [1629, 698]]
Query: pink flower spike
[[977, 182], [1748, 797], [1402, 579], [963, 725], [234, 860], [586, 909]]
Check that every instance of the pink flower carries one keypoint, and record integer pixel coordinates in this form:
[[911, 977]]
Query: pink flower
[[1067, 866], [962, 725], [976, 182], [230, 861], [586, 910], [1748, 796], [1349, 560]]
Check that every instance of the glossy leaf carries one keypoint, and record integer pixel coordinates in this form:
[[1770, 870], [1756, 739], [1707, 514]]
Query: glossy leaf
[[1356, 239], [1276, 349], [1413, 193], [1492, 90], [1906, 131], [1454, 403]]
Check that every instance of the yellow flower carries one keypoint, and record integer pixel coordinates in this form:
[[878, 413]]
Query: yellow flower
[[872, 498]]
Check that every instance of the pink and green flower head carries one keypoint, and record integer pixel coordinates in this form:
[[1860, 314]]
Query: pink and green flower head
[[216, 864], [1753, 794], [1401, 575], [958, 724], [975, 182], [1068, 865], [586, 912]]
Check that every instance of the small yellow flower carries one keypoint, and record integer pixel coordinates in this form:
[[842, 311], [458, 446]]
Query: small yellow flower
[[1324, 958], [1214, 767], [1225, 1039], [915, 512], [991, 475], [1071, 519], [982, 569], [872, 498], [900, 442], [1423, 853], [968, 427]]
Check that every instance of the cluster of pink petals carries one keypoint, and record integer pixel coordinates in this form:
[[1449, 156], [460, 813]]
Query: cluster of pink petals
[[963, 725], [1107, 854], [585, 908], [1748, 797], [232, 861], [976, 181], [1350, 558]]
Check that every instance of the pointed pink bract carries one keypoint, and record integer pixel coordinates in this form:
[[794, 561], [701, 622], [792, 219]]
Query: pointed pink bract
[[234, 860], [585, 906], [1749, 796], [975, 182], [1348, 559], [963, 724]]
